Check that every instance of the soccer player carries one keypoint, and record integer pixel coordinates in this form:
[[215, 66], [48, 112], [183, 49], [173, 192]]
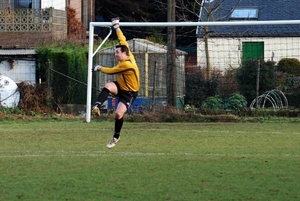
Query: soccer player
[[125, 88]]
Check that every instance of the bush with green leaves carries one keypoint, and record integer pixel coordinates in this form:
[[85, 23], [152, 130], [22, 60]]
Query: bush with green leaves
[[228, 83], [198, 88], [64, 67], [235, 102], [213, 103], [247, 78], [287, 83], [289, 65]]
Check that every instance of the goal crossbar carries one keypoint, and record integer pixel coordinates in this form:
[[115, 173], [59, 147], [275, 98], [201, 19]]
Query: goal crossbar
[[187, 24], [91, 52]]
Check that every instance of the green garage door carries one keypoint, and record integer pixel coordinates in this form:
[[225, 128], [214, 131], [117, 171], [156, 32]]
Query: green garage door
[[252, 50]]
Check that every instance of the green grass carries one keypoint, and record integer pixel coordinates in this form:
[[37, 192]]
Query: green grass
[[68, 160]]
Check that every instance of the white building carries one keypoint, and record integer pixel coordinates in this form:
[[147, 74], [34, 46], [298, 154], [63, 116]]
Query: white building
[[228, 46], [18, 65]]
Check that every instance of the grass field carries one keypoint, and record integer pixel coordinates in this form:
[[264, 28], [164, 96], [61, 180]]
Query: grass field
[[68, 160]]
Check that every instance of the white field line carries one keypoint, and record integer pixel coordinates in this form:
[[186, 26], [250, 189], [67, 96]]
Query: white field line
[[200, 130], [62, 153], [223, 131]]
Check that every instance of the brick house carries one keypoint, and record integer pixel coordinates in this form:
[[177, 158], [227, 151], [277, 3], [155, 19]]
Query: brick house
[[25, 24]]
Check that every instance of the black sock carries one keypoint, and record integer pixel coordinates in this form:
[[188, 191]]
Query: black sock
[[103, 95], [117, 135], [118, 127]]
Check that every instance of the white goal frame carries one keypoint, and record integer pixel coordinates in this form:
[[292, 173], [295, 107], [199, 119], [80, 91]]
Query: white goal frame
[[92, 53]]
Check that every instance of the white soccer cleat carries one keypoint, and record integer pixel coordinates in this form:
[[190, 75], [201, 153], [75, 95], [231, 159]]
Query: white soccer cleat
[[112, 142]]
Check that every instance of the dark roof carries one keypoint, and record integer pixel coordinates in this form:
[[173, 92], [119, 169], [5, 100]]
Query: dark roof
[[268, 10]]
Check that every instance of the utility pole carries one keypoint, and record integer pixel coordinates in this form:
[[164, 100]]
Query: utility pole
[[171, 56], [257, 83]]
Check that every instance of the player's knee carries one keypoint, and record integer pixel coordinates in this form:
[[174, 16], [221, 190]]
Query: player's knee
[[107, 86], [119, 115], [111, 87]]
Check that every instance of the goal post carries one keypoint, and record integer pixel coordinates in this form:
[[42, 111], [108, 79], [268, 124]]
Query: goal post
[[91, 52]]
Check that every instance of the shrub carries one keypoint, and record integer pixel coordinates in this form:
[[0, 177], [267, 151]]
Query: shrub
[[213, 103], [64, 67], [198, 88], [289, 65], [228, 83], [287, 83], [246, 77], [236, 102], [34, 98], [293, 99]]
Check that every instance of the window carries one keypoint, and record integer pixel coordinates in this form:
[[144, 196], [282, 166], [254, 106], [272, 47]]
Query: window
[[244, 14], [28, 4], [13, 4], [6, 4]]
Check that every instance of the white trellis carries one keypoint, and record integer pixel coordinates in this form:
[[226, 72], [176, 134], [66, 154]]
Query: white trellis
[[275, 97]]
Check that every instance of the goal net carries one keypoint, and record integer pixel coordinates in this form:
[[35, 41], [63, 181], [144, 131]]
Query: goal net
[[201, 71]]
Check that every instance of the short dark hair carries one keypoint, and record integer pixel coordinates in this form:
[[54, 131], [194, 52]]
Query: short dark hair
[[124, 48]]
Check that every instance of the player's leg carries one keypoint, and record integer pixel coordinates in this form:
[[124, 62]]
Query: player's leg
[[125, 100], [121, 109], [109, 87]]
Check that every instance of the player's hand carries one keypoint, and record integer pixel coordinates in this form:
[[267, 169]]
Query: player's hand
[[115, 22], [96, 68]]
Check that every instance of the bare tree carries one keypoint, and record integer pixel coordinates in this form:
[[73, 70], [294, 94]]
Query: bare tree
[[171, 56], [198, 10]]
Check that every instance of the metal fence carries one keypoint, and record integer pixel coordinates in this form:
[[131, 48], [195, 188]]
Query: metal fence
[[218, 77]]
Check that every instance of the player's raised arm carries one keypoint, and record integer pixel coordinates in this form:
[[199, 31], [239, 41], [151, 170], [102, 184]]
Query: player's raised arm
[[122, 39]]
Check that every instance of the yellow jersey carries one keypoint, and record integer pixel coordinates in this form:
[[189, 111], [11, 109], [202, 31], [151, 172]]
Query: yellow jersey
[[127, 71]]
